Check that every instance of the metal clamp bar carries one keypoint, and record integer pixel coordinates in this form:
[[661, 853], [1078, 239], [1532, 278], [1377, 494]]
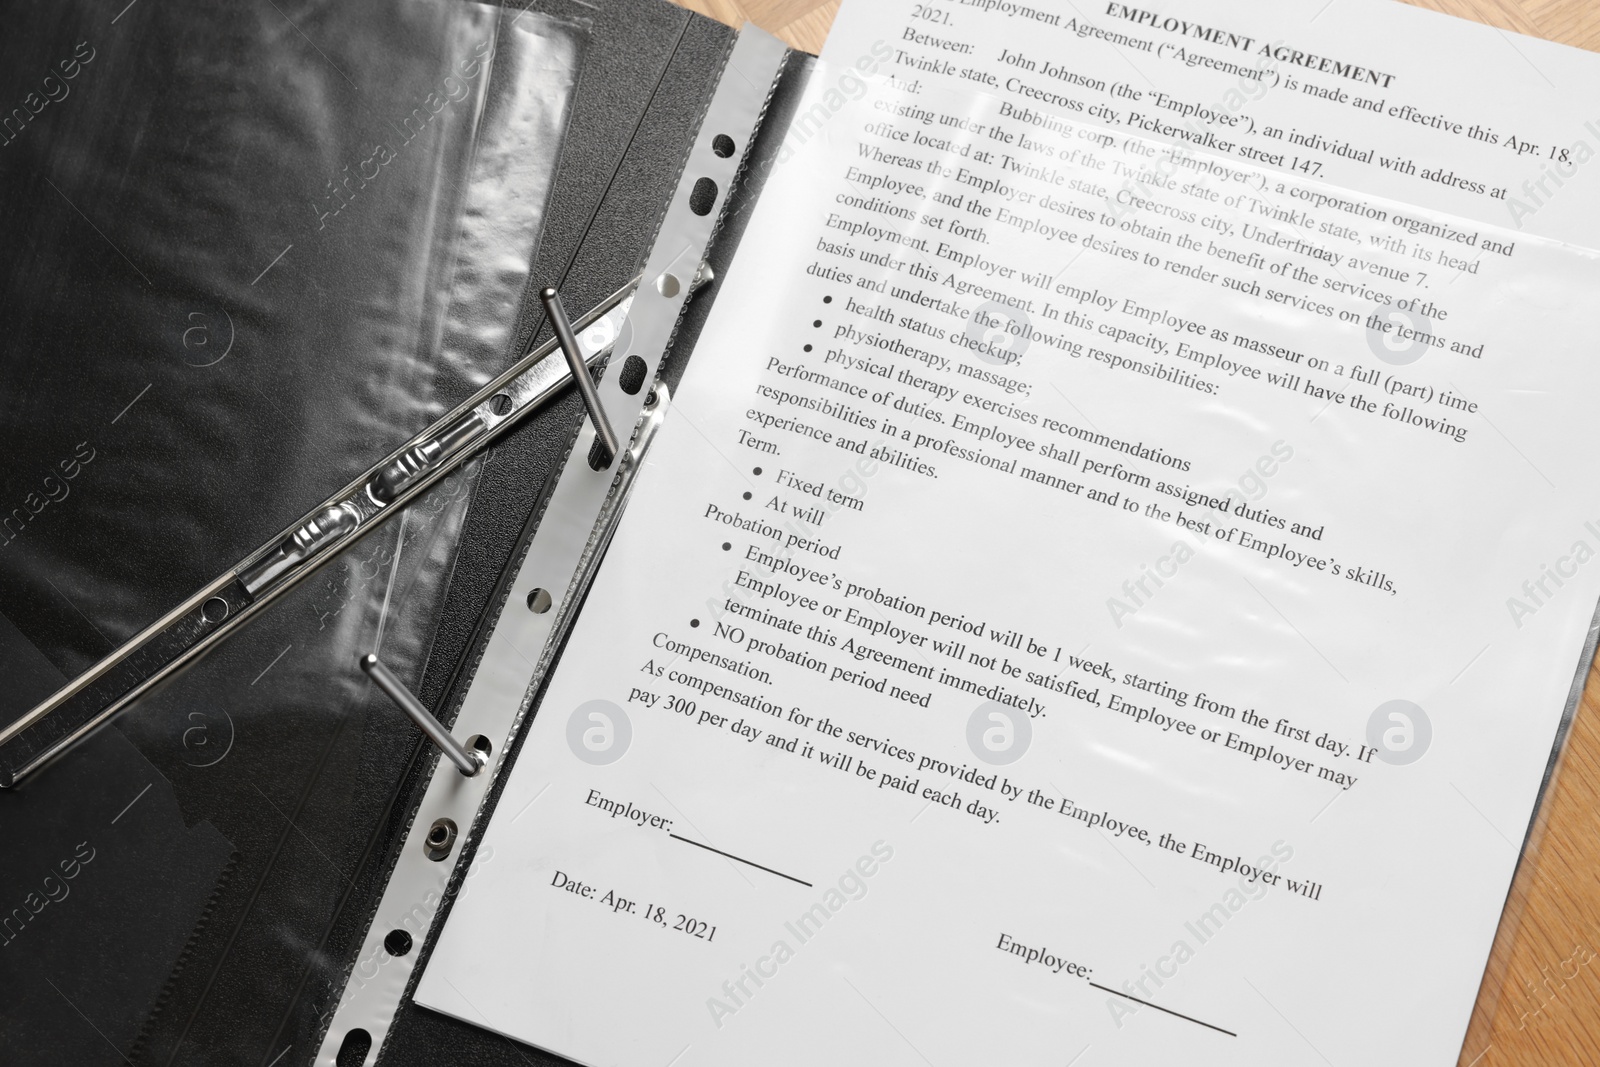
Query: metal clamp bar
[[191, 629]]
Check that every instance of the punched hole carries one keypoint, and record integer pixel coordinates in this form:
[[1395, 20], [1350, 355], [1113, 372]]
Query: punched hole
[[397, 943], [354, 1048], [703, 196], [481, 744], [599, 458], [631, 380], [214, 610], [539, 601], [722, 145], [500, 403]]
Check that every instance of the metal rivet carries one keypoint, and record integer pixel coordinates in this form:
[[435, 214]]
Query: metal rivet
[[440, 840]]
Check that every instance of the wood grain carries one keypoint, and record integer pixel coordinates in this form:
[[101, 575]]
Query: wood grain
[[1540, 1004]]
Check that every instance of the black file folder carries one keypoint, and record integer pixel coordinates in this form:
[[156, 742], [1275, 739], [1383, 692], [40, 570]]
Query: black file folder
[[228, 835]]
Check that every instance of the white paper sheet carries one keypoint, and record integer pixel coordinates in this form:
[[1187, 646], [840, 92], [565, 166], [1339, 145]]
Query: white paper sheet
[[979, 676]]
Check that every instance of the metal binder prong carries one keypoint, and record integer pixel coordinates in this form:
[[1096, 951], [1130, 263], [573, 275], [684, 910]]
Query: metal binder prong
[[469, 763], [580, 372]]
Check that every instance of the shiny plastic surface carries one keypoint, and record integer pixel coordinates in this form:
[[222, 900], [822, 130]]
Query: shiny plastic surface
[[1154, 564], [249, 250]]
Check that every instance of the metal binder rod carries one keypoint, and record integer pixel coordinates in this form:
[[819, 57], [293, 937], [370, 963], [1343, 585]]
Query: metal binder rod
[[223, 605], [468, 763], [580, 373]]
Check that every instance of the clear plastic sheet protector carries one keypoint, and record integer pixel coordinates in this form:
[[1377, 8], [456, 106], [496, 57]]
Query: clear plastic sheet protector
[[249, 249], [1089, 630]]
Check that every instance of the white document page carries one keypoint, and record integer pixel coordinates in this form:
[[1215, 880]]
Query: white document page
[[1380, 97], [1090, 603]]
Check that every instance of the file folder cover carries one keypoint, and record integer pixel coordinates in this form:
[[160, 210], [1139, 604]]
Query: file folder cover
[[294, 777]]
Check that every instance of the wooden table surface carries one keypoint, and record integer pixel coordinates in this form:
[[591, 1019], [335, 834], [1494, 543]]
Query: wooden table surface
[[1540, 1006]]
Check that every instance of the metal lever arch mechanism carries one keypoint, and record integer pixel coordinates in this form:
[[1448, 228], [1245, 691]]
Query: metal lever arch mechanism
[[469, 763], [227, 602]]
